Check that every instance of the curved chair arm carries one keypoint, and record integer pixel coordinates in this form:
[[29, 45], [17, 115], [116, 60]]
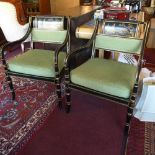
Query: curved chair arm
[[59, 48], [79, 50], [12, 44], [67, 40], [75, 52]]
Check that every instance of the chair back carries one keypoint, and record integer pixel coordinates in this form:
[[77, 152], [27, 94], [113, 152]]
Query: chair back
[[119, 37], [48, 29], [126, 45]]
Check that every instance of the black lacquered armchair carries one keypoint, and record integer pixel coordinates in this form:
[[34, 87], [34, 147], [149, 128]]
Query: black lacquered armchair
[[40, 63], [109, 78]]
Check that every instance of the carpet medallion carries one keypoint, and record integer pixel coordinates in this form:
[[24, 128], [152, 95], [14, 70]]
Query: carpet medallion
[[35, 100]]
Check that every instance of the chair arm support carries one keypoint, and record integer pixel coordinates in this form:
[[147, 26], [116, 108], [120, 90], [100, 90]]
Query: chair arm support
[[12, 44], [56, 54], [73, 53], [80, 49], [60, 47]]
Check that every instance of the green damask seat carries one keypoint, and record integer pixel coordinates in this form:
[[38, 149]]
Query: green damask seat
[[40, 61], [105, 76]]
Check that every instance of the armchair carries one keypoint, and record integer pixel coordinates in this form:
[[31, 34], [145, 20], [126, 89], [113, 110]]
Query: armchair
[[107, 78], [39, 63]]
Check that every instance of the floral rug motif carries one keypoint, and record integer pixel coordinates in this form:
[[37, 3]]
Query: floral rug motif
[[35, 100]]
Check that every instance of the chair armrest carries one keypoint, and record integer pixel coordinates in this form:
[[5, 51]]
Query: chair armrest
[[11, 44], [70, 55], [67, 39], [60, 47], [89, 44]]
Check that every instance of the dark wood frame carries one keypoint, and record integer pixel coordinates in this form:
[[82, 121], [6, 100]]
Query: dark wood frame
[[56, 79], [129, 103]]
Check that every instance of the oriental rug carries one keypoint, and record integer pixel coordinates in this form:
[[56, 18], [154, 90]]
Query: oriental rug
[[19, 120], [149, 139], [141, 138]]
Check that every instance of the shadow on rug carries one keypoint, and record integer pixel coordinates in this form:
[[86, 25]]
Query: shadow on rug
[[19, 120]]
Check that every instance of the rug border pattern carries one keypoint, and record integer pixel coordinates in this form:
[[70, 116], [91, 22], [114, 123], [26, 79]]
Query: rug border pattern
[[25, 132]]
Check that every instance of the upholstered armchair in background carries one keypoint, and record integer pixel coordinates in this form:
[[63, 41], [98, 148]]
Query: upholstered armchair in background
[[12, 20]]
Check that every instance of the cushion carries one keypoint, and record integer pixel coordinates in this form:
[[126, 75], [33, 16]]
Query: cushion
[[47, 35], [129, 45], [108, 76], [36, 62]]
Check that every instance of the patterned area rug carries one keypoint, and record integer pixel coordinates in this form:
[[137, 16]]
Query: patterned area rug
[[142, 138], [149, 139], [136, 138], [35, 101], [19, 120]]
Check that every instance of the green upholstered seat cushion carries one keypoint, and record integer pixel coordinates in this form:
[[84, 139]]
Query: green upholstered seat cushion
[[36, 62], [108, 76]]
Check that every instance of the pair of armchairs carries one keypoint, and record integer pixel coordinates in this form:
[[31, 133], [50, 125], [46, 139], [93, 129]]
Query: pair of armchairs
[[109, 78], [102, 77], [33, 62]]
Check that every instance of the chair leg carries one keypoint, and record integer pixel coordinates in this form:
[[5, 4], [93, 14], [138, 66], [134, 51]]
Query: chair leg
[[129, 116], [127, 128], [58, 90], [68, 99], [11, 86], [67, 90]]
